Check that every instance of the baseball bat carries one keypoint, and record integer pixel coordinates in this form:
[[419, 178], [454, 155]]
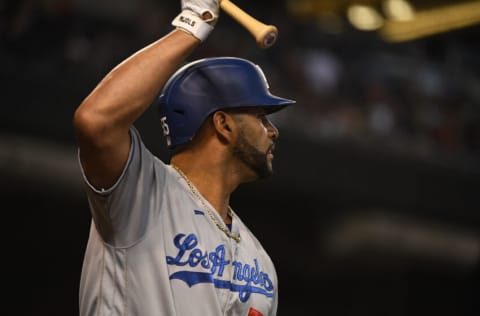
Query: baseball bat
[[265, 35]]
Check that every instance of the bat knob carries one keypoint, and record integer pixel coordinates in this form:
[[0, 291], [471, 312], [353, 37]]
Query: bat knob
[[267, 37], [270, 39]]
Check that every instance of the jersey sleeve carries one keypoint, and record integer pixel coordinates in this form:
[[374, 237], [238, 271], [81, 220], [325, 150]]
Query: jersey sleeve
[[123, 213]]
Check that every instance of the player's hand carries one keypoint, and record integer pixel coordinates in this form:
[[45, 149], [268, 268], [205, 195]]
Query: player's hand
[[198, 17], [208, 10]]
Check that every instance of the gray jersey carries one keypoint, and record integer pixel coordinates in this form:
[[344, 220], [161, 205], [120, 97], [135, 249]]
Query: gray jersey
[[153, 250]]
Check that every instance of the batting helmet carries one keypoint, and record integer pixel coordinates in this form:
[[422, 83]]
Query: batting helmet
[[202, 87]]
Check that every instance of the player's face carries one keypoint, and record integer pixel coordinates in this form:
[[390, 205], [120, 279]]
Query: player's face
[[255, 143]]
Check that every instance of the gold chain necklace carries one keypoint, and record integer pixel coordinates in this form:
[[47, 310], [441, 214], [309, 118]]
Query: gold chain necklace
[[199, 197]]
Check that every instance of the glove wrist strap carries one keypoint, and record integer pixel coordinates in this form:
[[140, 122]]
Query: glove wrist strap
[[188, 22]]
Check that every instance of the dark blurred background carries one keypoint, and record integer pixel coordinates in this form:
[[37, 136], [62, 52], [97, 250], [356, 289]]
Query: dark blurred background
[[374, 208]]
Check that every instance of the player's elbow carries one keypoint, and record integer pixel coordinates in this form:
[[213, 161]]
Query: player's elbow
[[88, 124]]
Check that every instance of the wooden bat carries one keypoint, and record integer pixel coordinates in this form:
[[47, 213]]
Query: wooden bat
[[265, 35]]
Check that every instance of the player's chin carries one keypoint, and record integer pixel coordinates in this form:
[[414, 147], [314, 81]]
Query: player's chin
[[261, 165], [267, 169], [270, 157], [269, 162]]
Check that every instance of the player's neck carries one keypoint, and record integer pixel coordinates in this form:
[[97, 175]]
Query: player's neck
[[214, 179]]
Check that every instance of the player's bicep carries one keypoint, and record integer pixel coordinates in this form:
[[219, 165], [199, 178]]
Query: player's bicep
[[103, 164]]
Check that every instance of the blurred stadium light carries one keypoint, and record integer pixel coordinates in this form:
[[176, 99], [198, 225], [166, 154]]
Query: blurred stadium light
[[395, 20], [433, 21]]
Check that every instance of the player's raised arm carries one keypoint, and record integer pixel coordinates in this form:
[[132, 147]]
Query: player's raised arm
[[103, 119]]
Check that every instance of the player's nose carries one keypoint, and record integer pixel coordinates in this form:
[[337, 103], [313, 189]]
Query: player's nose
[[273, 132]]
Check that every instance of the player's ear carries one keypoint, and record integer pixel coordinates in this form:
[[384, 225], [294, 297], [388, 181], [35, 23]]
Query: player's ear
[[224, 125]]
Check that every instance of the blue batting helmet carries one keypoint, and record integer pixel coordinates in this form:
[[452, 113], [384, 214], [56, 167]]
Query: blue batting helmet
[[202, 87]]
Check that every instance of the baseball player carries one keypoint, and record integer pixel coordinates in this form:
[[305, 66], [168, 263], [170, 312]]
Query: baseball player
[[164, 240]]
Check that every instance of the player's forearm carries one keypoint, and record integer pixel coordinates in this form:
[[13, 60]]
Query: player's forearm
[[128, 90]]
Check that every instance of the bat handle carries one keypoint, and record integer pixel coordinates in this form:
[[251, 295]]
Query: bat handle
[[265, 35]]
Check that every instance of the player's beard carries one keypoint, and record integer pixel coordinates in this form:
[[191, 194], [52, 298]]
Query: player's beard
[[252, 157]]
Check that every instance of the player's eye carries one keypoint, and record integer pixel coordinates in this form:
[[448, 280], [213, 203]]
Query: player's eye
[[261, 114]]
